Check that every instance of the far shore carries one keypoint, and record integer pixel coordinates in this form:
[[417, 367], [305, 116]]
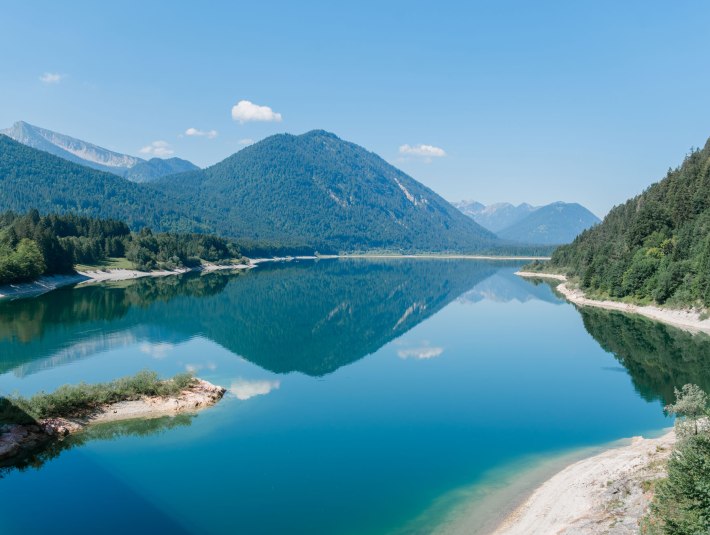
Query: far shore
[[47, 283], [686, 319], [446, 256]]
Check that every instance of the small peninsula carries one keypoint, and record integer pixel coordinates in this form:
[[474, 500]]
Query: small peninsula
[[28, 423]]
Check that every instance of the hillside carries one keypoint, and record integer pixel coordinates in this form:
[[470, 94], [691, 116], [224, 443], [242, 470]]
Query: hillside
[[90, 155], [318, 189], [552, 224], [655, 246], [31, 178]]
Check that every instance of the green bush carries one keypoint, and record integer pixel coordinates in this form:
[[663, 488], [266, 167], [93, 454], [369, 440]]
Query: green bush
[[77, 400]]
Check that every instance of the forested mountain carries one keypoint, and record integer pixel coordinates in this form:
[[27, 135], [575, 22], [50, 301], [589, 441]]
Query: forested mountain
[[90, 155], [318, 189], [31, 178], [655, 246], [551, 224], [155, 168]]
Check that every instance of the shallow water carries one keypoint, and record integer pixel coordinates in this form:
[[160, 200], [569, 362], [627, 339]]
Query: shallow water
[[364, 395]]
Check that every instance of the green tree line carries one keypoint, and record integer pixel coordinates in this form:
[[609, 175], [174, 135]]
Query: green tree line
[[654, 247], [32, 245]]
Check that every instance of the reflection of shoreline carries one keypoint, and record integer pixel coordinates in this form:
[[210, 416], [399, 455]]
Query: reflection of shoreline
[[683, 319]]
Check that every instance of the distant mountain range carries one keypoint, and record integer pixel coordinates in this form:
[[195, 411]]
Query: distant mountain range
[[552, 224], [85, 153], [288, 193]]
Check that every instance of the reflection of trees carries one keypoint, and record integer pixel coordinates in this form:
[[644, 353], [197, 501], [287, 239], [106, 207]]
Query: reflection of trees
[[657, 357], [50, 448], [310, 317], [52, 321]]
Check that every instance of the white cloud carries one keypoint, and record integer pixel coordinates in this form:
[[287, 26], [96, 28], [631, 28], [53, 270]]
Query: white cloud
[[158, 148], [158, 351], [246, 141], [194, 132], [427, 151], [51, 78], [245, 111], [420, 353], [244, 389]]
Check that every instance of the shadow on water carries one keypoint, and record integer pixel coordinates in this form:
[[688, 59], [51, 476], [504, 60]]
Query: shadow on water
[[658, 357], [311, 317]]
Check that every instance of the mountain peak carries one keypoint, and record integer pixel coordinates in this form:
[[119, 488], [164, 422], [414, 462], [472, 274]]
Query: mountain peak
[[90, 155]]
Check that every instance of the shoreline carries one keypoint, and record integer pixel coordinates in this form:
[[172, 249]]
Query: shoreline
[[688, 320], [19, 439], [47, 283], [592, 495], [445, 256]]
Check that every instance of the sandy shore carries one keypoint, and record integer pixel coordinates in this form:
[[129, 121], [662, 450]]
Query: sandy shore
[[606, 493], [16, 438], [688, 320]]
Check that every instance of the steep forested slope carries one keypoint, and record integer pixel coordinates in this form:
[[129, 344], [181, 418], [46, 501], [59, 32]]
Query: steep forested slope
[[654, 246]]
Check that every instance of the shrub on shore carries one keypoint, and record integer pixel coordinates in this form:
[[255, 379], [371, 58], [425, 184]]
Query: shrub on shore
[[681, 501], [77, 400]]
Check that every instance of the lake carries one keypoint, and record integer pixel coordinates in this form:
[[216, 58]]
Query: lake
[[365, 396]]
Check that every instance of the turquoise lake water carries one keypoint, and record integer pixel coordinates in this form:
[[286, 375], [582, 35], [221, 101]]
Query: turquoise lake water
[[360, 393]]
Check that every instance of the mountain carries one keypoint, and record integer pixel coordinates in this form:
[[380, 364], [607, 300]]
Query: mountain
[[285, 194], [655, 246], [318, 189], [155, 168], [90, 155], [552, 224], [31, 178], [495, 217]]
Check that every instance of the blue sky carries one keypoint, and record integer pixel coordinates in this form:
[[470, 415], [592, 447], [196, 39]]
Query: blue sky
[[529, 101]]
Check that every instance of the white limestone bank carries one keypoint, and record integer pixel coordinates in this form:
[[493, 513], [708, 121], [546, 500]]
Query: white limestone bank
[[688, 319], [606, 493]]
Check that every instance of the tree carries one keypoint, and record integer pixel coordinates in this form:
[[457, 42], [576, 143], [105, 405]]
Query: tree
[[691, 405]]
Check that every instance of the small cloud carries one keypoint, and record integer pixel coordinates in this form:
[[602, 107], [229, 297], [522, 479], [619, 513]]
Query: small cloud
[[244, 389], [245, 111], [246, 141], [420, 353], [194, 132], [51, 78], [158, 148], [425, 151], [158, 351]]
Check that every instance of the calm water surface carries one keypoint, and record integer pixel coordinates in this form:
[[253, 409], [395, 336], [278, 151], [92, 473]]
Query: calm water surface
[[361, 392]]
